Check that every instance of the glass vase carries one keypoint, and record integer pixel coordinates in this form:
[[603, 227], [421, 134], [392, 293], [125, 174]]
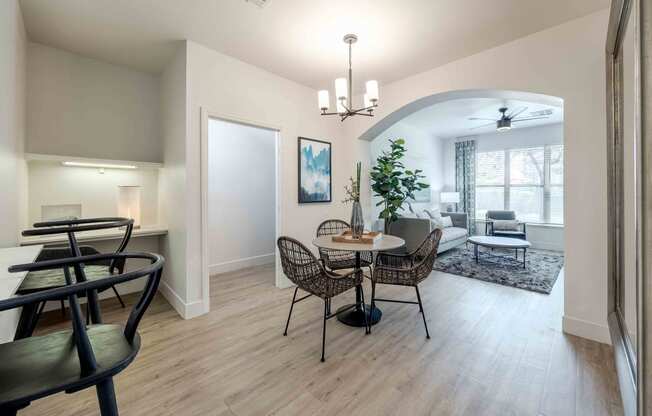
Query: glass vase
[[357, 222]]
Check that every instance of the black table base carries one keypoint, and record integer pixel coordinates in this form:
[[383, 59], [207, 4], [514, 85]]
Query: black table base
[[355, 316]]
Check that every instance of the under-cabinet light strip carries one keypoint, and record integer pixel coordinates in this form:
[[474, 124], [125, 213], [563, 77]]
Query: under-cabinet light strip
[[98, 165]]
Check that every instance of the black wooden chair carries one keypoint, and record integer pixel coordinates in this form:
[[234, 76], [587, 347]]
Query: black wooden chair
[[86, 356], [406, 270], [338, 259], [309, 275], [37, 281]]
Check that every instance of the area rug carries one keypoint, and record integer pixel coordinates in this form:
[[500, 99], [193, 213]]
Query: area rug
[[500, 266]]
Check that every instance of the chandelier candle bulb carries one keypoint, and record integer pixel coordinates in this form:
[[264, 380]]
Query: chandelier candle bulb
[[340, 107], [324, 100], [372, 91], [341, 89]]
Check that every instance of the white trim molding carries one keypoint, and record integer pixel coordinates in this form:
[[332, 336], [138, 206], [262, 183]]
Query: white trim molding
[[185, 310], [585, 329], [232, 265]]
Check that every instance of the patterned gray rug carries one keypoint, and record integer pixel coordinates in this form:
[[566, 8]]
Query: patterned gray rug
[[500, 266]]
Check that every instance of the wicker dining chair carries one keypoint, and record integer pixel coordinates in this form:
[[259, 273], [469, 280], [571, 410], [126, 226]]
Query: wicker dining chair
[[309, 275], [406, 270], [338, 259]]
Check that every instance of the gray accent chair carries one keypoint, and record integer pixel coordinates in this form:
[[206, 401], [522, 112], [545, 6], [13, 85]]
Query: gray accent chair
[[415, 230], [500, 215]]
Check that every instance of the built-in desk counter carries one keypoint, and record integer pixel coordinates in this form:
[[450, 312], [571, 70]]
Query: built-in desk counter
[[99, 235], [10, 282]]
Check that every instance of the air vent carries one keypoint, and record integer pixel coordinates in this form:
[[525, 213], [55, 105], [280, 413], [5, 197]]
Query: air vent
[[259, 3]]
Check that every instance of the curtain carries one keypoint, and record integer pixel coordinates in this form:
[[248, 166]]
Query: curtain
[[465, 180]]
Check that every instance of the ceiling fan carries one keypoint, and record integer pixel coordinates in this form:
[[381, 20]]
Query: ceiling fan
[[505, 121]]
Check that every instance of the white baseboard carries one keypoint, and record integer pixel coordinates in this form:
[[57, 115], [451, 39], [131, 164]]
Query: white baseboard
[[232, 265], [585, 329], [185, 310]]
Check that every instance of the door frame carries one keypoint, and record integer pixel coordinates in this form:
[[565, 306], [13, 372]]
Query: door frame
[[206, 116]]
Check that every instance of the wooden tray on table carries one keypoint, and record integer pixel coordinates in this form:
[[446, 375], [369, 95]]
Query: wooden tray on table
[[368, 237]]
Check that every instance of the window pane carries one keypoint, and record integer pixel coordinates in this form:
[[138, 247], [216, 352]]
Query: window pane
[[527, 201], [488, 197], [557, 165], [557, 204], [526, 166], [490, 168]]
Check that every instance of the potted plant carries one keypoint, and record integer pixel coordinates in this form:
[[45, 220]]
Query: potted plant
[[393, 182]]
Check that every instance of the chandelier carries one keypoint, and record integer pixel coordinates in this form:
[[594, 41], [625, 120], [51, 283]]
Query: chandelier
[[344, 93]]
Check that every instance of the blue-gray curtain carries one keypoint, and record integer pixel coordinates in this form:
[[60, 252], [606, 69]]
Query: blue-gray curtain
[[465, 180]]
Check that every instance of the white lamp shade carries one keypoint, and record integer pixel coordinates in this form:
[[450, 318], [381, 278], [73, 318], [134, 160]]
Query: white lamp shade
[[449, 197], [341, 89], [129, 203], [367, 101], [324, 99], [372, 90]]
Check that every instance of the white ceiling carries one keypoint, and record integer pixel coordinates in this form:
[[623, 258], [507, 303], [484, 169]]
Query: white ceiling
[[297, 39], [451, 118]]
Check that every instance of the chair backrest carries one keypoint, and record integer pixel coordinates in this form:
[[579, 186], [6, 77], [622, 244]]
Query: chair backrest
[[73, 289], [501, 215], [332, 227], [298, 263], [424, 257]]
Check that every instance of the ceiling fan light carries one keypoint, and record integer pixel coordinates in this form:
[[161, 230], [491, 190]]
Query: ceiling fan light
[[503, 125]]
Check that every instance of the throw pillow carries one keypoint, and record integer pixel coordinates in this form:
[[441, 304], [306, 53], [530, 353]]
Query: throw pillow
[[433, 213], [506, 225], [446, 222]]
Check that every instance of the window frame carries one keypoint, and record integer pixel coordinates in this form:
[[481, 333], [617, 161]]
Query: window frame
[[546, 186]]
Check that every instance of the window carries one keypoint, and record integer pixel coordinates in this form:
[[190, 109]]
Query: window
[[529, 181]]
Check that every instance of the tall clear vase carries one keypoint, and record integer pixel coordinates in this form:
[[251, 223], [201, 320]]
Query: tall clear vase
[[357, 221]]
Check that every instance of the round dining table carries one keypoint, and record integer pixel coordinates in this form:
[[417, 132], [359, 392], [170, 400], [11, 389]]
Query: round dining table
[[355, 316]]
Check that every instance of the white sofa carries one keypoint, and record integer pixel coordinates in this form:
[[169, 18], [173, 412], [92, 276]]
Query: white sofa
[[415, 230]]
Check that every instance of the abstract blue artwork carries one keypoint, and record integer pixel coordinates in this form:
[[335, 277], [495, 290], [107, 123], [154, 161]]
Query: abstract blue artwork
[[314, 171]]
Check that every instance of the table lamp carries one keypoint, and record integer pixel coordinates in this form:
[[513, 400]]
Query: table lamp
[[449, 198]]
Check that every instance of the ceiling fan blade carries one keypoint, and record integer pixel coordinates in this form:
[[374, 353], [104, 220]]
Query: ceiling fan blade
[[483, 125], [482, 119], [516, 113], [528, 119]]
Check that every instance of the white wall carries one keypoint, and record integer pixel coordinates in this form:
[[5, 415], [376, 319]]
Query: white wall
[[50, 183], [231, 88], [172, 185], [79, 106], [565, 61], [241, 196], [424, 151], [13, 178]]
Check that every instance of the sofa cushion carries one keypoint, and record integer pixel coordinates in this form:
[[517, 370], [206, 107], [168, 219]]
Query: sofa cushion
[[452, 233], [446, 222], [506, 225]]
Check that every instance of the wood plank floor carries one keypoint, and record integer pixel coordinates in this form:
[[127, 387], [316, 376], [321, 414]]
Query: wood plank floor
[[494, 351]]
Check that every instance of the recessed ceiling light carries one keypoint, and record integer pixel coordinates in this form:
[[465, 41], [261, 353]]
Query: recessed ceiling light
[[259, 3], [98, 165]]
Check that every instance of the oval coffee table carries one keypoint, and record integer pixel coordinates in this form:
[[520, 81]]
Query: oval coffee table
[[355, 317], [499, 242]]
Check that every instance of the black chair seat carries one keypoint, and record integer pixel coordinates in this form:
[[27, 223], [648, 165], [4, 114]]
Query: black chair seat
[[39, 366], [510, 234]]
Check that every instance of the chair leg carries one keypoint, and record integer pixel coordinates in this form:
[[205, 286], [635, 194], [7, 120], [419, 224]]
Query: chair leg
[[88, 313], [285, 333], [423, 314], [106, 397], [118, 296], [63, 309], [372, 305], [364, 311], [323, 335]]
